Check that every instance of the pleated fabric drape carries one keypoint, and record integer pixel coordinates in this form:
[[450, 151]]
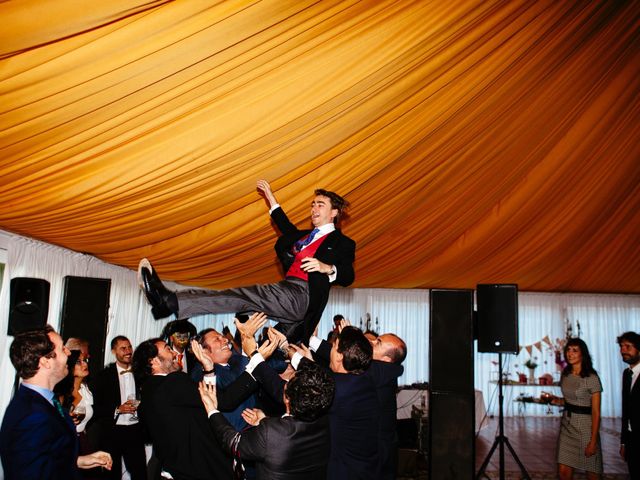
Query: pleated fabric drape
[[478, 141]]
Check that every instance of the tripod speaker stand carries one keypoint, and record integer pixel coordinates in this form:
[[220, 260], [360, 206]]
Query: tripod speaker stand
[[501, 440]]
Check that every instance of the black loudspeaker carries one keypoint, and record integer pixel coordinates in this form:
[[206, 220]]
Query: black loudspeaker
[[497, 318], [28, 304], [85, 310], [451, 436], [451, 341]]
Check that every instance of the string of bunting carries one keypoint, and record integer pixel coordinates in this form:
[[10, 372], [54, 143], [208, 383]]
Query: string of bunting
[[538, 345]]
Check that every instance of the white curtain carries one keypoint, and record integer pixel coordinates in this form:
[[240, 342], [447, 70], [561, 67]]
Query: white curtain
[[601, 319], [404, 312]]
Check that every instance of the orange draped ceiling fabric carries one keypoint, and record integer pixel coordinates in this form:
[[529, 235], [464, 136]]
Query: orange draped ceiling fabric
[[477, 141]]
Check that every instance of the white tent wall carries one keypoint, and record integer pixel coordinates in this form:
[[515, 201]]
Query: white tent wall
[[404, 312]]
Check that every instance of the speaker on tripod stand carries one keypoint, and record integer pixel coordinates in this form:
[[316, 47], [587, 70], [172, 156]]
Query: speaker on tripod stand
[[497, 331]]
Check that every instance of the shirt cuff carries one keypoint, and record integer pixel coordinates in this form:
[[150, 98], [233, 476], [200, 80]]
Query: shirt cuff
[[314, 343], [295, 360], [256, 359], [211, 412], [334, 275], [209, 379]]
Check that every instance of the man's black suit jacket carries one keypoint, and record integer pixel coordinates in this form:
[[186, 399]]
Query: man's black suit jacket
[[35, 441], [385, 378], [105, 388], [284, 448], [336, 249], [631, 416], [354, 419], [175, 418]]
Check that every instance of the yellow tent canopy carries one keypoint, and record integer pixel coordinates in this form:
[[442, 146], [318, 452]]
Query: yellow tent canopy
[[477, 141]]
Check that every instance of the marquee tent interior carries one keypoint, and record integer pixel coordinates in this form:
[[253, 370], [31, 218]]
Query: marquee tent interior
[[477, 141]]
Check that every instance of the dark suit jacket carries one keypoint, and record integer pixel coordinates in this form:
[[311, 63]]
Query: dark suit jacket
[[336, 249], [354, 419], [106, 395], [283, 448], [35, 441], [173, 414], [384, 376], [631, 414], [105, 387], [225, 376]]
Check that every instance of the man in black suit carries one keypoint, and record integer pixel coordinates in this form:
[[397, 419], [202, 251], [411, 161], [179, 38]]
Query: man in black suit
[[218, 356], [294, 446], [312, 259], [175, 418], [38, 439], [114, 421], [354, 415], [630, 436], [389, 351]]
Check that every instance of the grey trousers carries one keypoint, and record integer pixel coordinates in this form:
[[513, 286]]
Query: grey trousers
[[285, 301]]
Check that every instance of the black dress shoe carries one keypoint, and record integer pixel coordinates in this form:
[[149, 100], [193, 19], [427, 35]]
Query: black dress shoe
[[163, 301]]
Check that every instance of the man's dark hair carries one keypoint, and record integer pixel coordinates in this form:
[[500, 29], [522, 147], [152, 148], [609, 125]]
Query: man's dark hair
[[631, 337], [141, 360], [28, 348], [356, 350], [64, 388], [178, 326], [117, 339], [310, 392], [586, 367], [201, 334], [337, 202]]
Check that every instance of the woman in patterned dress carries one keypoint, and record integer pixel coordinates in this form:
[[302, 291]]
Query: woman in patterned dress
[[579, 440]]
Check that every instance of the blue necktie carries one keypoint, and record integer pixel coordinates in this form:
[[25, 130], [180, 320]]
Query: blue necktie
[[300, 244]]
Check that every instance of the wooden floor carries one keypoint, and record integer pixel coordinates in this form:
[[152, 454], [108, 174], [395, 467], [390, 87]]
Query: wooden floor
[[534, 440]]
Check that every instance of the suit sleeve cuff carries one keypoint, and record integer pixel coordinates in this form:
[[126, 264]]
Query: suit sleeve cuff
[[211, 412], [277, 205]]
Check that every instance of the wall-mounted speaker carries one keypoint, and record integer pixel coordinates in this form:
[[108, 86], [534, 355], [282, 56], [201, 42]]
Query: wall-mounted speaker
[[28, 304], [497, 327]]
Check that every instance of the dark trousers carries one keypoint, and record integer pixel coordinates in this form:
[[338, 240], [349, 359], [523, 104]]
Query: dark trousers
[[632, 456], [127, 442], [285, 301]]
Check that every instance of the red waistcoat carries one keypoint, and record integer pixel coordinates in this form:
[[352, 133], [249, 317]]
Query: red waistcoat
[[309, 251]]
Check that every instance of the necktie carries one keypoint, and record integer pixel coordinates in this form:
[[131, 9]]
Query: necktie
[[58, 406], [125, 371], [300, 244], [180, 360]]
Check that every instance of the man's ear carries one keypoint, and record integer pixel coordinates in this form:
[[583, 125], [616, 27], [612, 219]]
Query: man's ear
[[155, 363], [43, 362]]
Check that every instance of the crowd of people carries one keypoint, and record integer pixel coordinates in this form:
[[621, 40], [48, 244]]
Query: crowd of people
[[286, 405], [331, 406]]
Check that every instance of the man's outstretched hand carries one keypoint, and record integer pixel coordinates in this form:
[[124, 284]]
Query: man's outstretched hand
[[265, 190]]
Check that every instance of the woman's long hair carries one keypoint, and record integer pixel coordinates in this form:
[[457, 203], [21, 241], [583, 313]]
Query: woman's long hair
[[64, 388], [586, 367]]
